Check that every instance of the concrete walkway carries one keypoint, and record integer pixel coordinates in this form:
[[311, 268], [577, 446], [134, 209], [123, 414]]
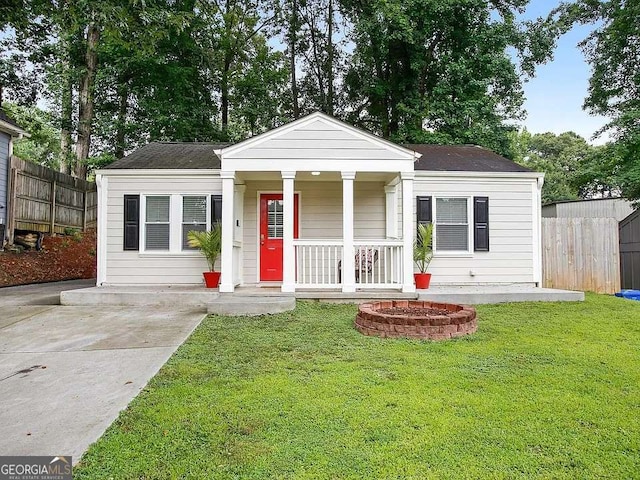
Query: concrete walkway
[[66, 372]]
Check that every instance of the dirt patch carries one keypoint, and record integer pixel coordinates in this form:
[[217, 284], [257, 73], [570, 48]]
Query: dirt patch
[[414, 312], [61, 258]]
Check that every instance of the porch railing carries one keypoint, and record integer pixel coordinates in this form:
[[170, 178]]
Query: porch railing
[[378, 263], [317, 263]]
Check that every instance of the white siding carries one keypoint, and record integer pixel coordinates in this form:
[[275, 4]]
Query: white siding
[[320, 214], [317, 140], [129, 268], [511, 227]]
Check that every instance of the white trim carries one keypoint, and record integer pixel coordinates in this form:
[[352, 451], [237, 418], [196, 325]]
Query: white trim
[[15, 132], [143, 223], [207, 223], [101, 274], [420, 174], [536, 219], [316, 116], [159, 172], [288, 226], [348, 251], [408, 229], [272, 192], [227, 283], [470, 221], [391, 211]]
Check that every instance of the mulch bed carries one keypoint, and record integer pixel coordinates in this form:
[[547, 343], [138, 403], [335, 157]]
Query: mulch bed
[[413, 311], [61, 258]]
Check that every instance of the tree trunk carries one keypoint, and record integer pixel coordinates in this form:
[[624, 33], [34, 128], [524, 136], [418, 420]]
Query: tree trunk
[[66, 122], [85, 104], [123, 98], [293, 34], [330, 59], [224, 91]]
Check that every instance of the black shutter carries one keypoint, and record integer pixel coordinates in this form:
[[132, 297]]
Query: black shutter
[[423, 208], [216, 209], [481, 224], [132, 222]]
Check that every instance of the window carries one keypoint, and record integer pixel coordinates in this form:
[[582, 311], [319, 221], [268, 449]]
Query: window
[[157, 223], [275, 221], [452, 224], [194, 217]]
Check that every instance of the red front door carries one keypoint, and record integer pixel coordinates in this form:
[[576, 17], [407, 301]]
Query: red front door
[[271, 233]]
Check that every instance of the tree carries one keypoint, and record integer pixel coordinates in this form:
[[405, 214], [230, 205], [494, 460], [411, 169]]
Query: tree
[[613, 50], [433, 71], [573, 168]]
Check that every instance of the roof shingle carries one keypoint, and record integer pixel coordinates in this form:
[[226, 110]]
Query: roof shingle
[[462, 158], [171, 155]]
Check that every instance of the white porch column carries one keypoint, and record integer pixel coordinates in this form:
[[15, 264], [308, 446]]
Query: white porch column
[[408, 231], [226, 261], [288, 250], [391, 211], [348, 262]]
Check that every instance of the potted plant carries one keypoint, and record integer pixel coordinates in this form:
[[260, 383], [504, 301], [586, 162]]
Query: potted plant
[[422, 255], [210, 245]]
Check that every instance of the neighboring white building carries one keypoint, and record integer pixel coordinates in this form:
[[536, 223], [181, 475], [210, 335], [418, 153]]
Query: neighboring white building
[[618, 208], [9, 130], [298, 203]]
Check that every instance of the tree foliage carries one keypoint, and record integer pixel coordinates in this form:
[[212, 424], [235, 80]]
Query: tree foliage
[[119, 73], [613, 51]]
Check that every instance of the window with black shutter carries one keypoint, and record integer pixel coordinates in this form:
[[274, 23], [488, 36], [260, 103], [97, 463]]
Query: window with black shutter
[[131, 222], [481, 224]]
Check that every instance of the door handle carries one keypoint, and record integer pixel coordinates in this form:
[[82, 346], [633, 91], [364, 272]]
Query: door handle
[[262, 239]]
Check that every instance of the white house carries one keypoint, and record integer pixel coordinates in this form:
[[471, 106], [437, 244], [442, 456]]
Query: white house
[[318, 204]]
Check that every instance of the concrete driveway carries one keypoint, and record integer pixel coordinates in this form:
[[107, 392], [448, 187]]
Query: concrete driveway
[[66, 372]]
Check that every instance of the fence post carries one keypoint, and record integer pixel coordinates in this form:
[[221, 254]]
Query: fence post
[[52, 228], [11, 218], [84, 209]]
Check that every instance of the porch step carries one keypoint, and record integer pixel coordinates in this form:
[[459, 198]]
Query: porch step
[[354, 297], [251, 305], [196, 298]]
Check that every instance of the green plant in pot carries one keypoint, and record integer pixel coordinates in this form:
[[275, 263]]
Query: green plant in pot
[[210, 245], [422, 255]]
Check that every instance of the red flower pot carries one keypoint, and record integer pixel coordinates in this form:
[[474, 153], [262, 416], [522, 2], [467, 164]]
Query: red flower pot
[[211, 279], [422, 280]]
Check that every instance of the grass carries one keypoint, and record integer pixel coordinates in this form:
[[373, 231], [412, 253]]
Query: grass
[[542, 390]]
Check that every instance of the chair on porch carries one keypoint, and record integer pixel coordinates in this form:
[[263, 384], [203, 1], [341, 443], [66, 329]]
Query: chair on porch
[[365, 259]]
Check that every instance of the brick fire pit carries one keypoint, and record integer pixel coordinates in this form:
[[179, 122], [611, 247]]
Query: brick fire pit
[[416, 319]]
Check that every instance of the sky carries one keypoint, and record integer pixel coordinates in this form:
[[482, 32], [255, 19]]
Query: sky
[[555, 96]]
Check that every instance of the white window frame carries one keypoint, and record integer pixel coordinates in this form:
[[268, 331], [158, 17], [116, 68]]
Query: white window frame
[[143, 222], [175, 224], [207, 227], [470, 246]]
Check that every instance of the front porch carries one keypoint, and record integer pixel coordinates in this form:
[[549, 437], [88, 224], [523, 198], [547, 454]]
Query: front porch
[[321, 230]]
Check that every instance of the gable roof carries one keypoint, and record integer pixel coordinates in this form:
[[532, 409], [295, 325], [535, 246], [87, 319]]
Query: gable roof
[[171, 155], [8, 124], [323, 118], [462, 158]]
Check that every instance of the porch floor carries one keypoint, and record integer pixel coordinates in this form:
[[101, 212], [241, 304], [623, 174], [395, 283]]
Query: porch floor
[[202, 299]]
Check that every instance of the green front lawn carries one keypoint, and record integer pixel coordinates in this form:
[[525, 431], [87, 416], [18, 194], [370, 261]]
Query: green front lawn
[[542, 390]]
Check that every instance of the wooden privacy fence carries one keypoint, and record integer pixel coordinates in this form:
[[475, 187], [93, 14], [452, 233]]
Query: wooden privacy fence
[[581, 254], [43, 200]]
